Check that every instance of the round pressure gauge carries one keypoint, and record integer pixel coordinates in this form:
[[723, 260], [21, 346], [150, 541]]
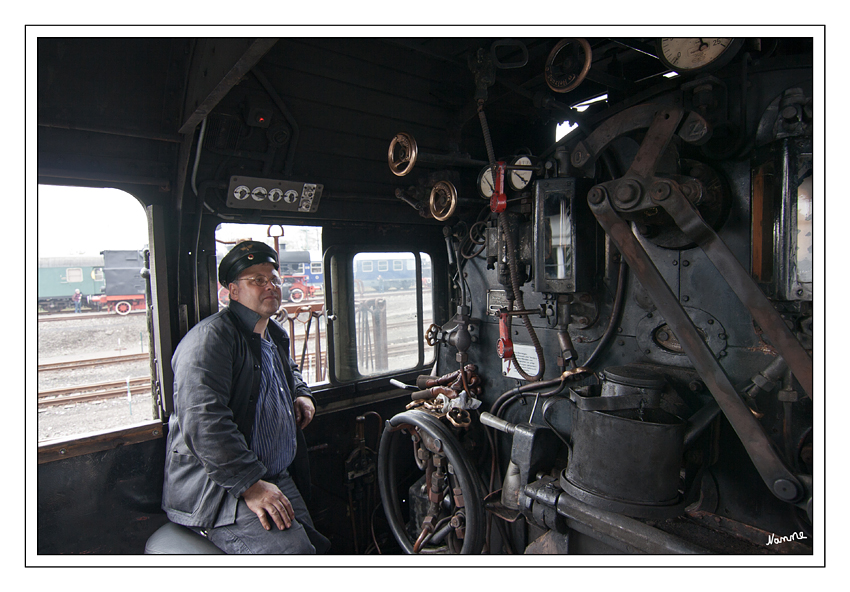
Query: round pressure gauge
[[694, 54], [519, 179], [486, 185]]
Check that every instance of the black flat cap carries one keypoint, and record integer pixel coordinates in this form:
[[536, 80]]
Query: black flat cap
[[243, 256]]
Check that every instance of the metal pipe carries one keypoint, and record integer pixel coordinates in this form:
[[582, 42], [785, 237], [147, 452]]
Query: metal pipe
[[449, 160], [497, 423], [621, 532], [509, 396], [198, 156], [701, 420]]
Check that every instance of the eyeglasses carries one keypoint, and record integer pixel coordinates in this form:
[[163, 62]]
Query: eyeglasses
[[262, 281]]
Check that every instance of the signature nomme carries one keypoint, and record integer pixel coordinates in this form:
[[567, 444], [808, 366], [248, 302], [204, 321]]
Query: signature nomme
[[772, 539]]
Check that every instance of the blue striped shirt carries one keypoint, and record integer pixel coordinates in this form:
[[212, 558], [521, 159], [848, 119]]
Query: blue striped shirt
[[273, 438]]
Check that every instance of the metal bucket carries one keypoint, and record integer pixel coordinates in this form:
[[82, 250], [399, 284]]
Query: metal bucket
[[626, 460]]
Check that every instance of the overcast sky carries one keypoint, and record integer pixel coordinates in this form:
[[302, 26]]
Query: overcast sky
[[84, 221]]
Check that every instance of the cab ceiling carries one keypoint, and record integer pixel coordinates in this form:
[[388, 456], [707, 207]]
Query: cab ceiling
[[127, 112]]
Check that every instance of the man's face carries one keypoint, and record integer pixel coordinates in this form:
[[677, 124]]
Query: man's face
[[264, 301]]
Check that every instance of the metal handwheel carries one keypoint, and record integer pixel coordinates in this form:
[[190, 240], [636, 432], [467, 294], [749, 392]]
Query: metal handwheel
[[566, 75], [402, 154], [443, 200], [455, 520], [431, 335]]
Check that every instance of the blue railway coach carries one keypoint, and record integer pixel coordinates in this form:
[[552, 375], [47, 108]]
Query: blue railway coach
[[389, 271]]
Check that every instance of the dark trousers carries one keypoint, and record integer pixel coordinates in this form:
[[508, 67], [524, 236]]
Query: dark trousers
[[247, 535]]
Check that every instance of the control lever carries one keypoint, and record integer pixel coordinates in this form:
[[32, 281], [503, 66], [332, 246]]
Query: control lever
[[499, 201], [505, 347], [532, 448]]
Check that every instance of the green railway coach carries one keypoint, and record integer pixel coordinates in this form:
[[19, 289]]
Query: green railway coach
[[59, 277]]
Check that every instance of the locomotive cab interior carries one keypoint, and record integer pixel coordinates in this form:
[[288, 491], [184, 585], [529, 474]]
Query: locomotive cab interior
[[553, 295]]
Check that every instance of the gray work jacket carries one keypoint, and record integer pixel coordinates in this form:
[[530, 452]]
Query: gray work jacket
[[209, 462]]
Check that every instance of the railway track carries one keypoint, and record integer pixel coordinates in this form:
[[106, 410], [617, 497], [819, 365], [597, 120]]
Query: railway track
[[140, 385], [71, 364], [93, 392], [70, 316]]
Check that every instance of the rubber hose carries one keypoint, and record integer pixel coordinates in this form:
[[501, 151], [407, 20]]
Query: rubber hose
[[526, 321], [498, 403], [386, 487], [616, 309], [466, 475]]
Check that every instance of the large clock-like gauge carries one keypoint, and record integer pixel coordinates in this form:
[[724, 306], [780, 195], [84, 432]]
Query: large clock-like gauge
[[697, 54]]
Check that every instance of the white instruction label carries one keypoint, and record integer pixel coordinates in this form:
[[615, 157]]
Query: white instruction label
[[526, 355]]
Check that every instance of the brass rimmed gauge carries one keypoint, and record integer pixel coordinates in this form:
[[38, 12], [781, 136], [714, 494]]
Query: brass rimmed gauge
[[519, 179], [697, 54], [486, 185]]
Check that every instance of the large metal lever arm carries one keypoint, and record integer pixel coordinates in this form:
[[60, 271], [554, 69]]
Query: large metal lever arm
[[640, 189], [779, 479], [688, 219]]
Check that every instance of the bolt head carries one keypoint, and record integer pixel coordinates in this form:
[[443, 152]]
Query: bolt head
[[628, 193], [785, 489], [625, 192], [596, 196], [660, 191], [789, 112]]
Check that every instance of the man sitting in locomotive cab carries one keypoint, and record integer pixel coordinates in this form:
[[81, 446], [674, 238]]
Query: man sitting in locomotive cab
[[235, 454]]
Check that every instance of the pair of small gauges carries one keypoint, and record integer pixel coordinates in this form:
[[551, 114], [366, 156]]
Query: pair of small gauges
[[518, 178]]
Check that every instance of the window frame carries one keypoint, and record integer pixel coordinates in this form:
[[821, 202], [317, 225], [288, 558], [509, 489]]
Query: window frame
[[77, 273], [89, 442], [342, 344]]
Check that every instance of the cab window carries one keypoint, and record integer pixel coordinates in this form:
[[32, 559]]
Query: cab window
[[94, 366], [389, 321]]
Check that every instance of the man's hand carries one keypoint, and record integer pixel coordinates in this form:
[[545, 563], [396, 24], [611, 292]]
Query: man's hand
[[304, 411], [265, 499]]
